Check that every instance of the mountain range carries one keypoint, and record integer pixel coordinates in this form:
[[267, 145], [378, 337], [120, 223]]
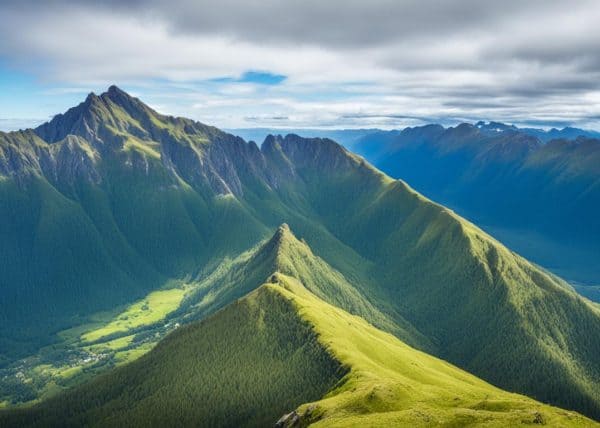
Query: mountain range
[[544, 135], [351, 137], [156, 244], [544, 184], [280, 353], [346, 137], [538, 196]]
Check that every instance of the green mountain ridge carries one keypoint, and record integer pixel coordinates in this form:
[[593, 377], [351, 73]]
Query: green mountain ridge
[[392, 384], [241, 367], [285, 254], [539, 196], [137, 199], [278, 348]]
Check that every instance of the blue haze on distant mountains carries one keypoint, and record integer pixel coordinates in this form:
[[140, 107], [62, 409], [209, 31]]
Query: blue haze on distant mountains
[[537, 191]]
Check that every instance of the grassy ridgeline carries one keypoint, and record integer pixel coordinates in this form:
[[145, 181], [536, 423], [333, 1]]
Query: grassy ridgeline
[[245, 366], [393, 384], [276, 348]]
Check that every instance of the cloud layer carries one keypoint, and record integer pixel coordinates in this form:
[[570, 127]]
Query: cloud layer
[[334, 63]]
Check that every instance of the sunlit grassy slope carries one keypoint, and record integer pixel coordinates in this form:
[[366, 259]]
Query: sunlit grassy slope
[[487, 309], [279, 347], [107, 339], [154, 307], [392, 384], [285, 253], [245, 366]]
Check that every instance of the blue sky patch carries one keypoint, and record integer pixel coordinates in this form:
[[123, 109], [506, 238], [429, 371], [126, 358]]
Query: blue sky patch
[[262, 78], [258, 77]]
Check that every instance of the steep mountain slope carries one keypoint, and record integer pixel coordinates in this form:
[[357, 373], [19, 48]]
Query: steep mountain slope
[[272, 350], [392, 384], [136, 199], [487, 309], [541, 199], [243, 367], [122, 335], [96, 222], [284, 253]]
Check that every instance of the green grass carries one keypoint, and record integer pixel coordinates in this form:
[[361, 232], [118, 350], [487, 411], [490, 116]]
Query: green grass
[[68, 372], [242, 367], [106, 339], [484, 308], [64, 372], [485, 177], [153, 308], [392, 384], [133, 354], [281, 348], [133, 143], [115, 344], [285, 253]]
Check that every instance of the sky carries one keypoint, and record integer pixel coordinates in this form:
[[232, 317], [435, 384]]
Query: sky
[[309, 63]]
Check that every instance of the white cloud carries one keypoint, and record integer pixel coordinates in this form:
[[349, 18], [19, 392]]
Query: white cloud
[[361, 63]]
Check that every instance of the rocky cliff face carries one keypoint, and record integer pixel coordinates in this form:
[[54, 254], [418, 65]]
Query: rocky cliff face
[[23, 154], [117, 127]]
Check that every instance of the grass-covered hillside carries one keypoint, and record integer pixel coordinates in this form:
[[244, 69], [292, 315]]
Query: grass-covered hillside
[[111, 201], [392, 384], [277, 349], [245, 366], [536, 191], [286, 254]]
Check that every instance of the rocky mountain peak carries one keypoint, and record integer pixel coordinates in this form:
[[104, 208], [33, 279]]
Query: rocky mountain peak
[[283, 232], [321, 153], [69, 123], [282, 235], [91, 98], [133, 106], [115, 90]]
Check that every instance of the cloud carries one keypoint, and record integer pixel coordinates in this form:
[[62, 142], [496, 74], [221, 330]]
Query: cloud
[[14, 124], [361, 63]]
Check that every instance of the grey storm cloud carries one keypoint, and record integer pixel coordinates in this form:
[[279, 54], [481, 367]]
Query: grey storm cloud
[[348, 23], [360, 24]]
